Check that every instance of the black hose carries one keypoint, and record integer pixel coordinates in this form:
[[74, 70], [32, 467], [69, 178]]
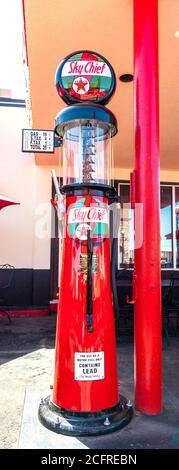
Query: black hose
[[89, 293], [114, 256]]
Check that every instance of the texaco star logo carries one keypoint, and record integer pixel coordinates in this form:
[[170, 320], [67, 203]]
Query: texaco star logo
[[81, 85], [82, 231]]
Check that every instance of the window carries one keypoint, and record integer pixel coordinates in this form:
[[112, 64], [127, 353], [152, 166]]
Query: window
[[126, 244], [177, 226], [169, 227], [166, 236]]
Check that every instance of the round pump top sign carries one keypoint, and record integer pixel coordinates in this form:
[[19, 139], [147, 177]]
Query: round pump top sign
[[85, 76]]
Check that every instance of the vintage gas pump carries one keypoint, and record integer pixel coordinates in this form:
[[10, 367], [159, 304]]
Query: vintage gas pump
[[85, 398]]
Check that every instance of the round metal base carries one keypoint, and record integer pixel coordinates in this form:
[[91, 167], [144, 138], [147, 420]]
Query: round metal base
[[76, 423]]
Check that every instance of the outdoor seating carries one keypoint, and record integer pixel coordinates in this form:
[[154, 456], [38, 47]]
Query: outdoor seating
[[6, 277], [171, 307], [125, 321]]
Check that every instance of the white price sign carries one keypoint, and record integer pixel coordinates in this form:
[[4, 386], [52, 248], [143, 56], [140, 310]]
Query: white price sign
[[89, 366], [37, 140]]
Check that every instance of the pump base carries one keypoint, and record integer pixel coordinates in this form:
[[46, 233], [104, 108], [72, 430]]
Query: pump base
[[76, 423]]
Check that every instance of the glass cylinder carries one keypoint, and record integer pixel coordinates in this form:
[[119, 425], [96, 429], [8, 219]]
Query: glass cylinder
[[87, 152]]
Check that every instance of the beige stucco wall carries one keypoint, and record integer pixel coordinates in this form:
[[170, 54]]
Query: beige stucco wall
[[42, 217], [165, 175], [21, 242], [17, 178]]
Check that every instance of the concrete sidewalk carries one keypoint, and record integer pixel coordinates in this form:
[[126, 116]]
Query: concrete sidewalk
[[27, 360]]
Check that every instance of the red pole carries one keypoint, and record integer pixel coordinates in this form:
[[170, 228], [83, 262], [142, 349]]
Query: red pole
[[148, 388]]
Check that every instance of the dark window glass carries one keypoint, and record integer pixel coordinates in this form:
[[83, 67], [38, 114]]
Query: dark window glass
[[166, 227], [177, 225], [126, 243]]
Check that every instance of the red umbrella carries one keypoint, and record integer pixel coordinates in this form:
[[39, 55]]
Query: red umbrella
[[5, 201], [169, 236]]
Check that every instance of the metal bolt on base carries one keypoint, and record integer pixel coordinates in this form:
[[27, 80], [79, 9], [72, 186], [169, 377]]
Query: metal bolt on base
[[76, 423]]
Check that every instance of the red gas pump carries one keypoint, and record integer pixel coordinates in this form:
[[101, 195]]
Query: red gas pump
[[85, 398]]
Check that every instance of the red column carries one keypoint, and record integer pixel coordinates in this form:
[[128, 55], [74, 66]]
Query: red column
[[148, 388]]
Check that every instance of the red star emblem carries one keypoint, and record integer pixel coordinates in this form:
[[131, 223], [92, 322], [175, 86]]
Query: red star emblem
[[83, 231], [81, 85]]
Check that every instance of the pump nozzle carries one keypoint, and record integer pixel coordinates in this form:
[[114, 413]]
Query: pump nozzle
[[59, 198]]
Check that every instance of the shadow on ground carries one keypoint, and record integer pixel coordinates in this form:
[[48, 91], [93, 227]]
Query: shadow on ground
[[27, 363], [25, 335]]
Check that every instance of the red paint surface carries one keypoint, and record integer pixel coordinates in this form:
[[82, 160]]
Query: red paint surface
[[53, 306], [25, 313], [72, 335], [148, 388]]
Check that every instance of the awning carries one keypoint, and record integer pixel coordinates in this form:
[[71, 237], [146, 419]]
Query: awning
[[169, 236], [5, 201]]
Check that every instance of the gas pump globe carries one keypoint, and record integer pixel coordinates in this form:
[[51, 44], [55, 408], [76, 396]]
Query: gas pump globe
[[85, 398]]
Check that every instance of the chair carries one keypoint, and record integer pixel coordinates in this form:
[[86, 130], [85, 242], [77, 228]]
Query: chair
[[125, 323], [171, 306], [6, 277]]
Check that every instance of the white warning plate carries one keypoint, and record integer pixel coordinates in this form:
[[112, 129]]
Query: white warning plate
[[89, 366]]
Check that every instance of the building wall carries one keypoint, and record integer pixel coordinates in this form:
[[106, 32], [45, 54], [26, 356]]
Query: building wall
[[25, 229], [17, 182], [165, 175]]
